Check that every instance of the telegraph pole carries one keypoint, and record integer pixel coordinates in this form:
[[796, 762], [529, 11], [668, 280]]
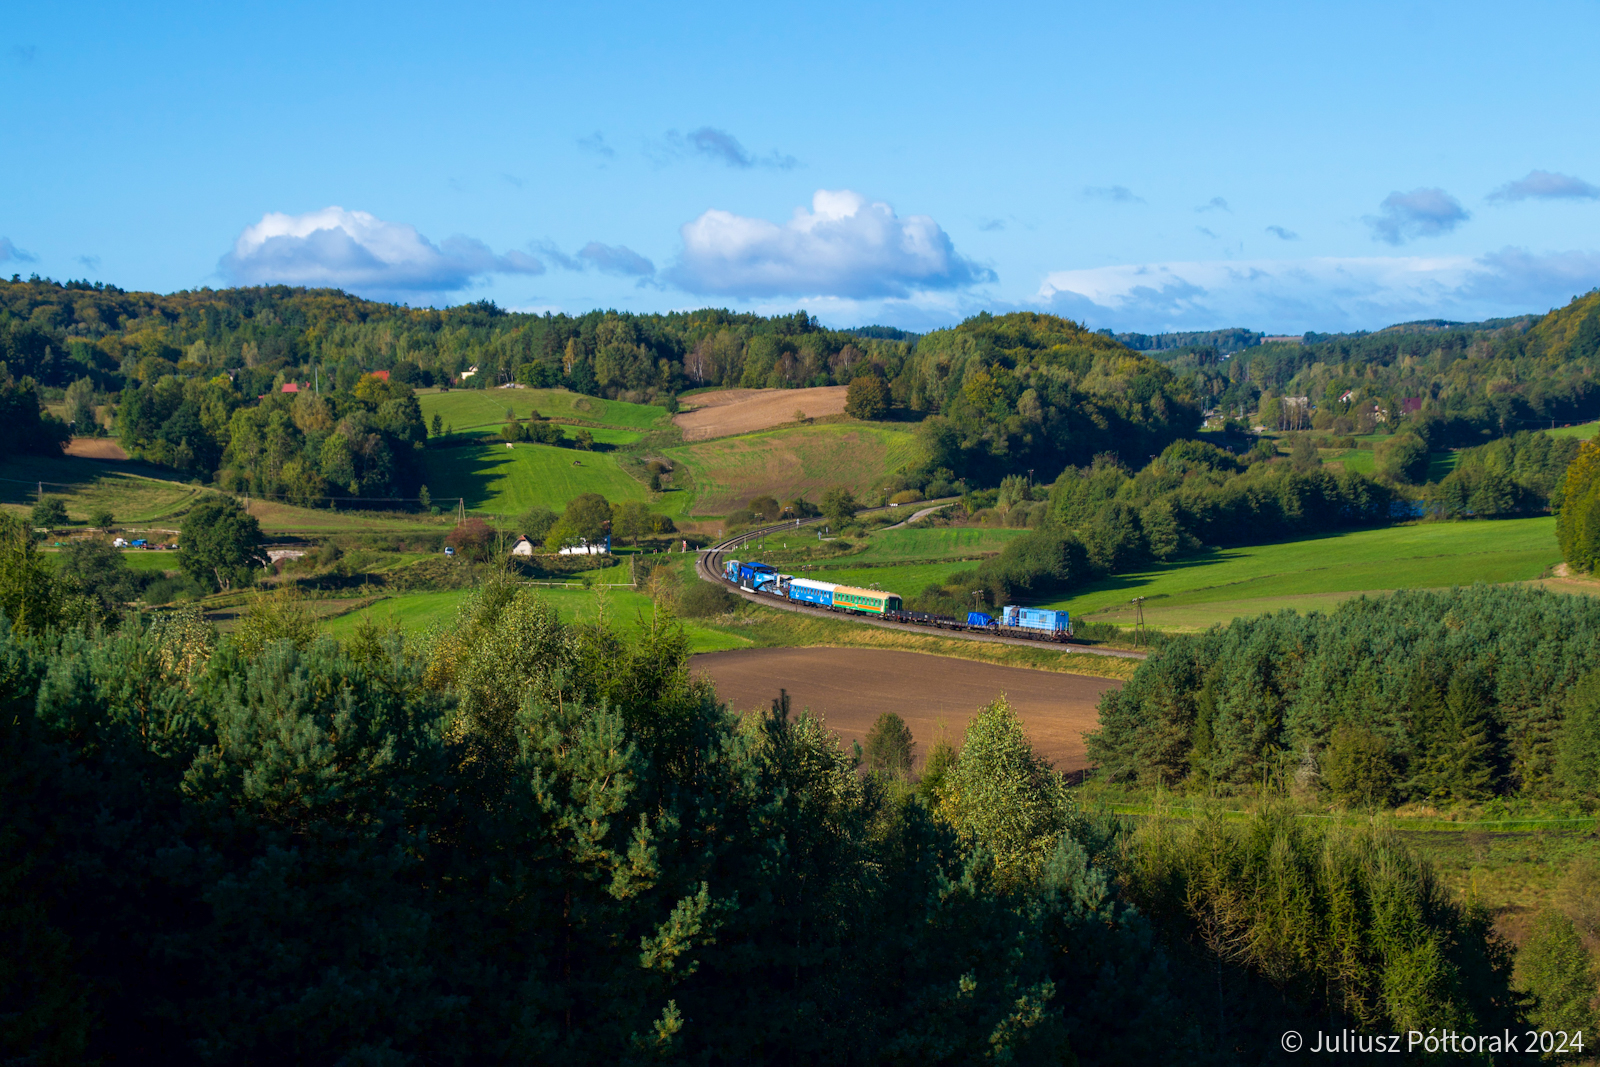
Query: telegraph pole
[[1139, 636]]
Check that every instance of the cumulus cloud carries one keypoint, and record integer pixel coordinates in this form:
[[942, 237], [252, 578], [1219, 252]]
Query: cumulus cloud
[[1294, 295], [10, 253], [1119, 194], [1282, 234], [1546, 185], [1216, 203], [845, 246], [359, 252], [1419, 213], [616, 259]]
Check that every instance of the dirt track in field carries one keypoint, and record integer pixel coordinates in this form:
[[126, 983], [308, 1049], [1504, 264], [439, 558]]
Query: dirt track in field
[[735, 411], [851, 687], [96, 448]]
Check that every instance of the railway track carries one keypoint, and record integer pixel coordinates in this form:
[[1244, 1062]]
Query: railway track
[[709, 568]]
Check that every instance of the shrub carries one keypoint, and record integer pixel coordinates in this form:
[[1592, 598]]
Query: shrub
[[701, 600], [472, 539], [906, 496], [50, 511], [1404, 457], [1557, 970]]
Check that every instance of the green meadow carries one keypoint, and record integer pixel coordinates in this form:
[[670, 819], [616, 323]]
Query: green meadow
[[473, 409], [132, 492], [494, 479], [627, 610], [1582, 432], [1317, 573], [903, 561]]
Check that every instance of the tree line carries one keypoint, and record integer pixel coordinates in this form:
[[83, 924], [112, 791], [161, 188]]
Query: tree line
[[1458, 695], [304, 447]]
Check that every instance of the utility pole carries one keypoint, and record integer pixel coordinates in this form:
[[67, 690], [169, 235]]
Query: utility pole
[[1139, 636]]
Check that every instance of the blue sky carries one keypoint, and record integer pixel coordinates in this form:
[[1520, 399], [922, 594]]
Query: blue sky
[[1141, 166]]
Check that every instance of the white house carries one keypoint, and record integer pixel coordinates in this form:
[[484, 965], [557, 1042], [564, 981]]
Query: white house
[[523, 547]]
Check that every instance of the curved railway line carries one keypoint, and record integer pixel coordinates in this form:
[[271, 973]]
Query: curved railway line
[[709, 568]]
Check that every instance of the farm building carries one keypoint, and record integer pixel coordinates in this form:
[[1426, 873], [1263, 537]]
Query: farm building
[[523, 547]]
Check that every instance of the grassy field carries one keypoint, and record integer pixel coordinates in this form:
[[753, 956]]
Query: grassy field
[[627, 611], [467, 409], [507, 481], [132, 492], [729, 471], [901, 561], [1317, 573], [1582, 432], [137, 559]]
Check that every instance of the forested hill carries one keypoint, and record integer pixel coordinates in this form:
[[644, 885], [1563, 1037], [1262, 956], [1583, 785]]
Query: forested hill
[[1029, 390], [1466, 382], [58, 333]]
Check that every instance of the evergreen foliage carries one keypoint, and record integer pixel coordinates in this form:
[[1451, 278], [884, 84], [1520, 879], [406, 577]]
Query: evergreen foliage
[[529, 841], [890, 747], [1465, 694], [1345, 921]]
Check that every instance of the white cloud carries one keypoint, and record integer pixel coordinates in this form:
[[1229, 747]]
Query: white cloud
[[1282, 234], [845, 246], [1294, 295], [1216, 203], [1546, 185], [1419, 213], [359, 252]]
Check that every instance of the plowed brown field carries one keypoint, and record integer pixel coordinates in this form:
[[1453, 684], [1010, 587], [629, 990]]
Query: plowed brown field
[[851, 687], [734, 411], [96, 448]]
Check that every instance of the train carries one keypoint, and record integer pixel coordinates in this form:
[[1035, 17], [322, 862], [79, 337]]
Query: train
[[1034, 624]]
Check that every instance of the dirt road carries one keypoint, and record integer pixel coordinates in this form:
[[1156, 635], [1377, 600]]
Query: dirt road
[[851, 687]]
